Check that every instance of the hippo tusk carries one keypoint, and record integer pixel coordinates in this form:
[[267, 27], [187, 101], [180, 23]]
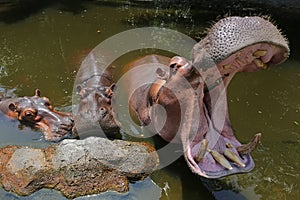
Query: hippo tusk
[[259, 53], [228, 145], [202, 150], [248, 148], [220, 159], [233, 157]]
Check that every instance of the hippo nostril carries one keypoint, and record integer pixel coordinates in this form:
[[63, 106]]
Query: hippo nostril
[[103, 111], [173, 65], [28, 114]]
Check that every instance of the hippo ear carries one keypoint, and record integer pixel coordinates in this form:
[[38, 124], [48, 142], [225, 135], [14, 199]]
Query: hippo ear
[[81, 91], [160, 72], [111, 90], [112, 87], [37, 93], [12, 107], [102, 98], [97, 96], [78, 88]]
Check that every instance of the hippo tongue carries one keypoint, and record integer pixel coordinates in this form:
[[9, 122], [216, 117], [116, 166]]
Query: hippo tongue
[[205, 152], [210, 136]]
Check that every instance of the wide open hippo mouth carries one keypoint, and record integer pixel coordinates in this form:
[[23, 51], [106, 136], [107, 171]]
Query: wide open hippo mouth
[[210, 147], [214, 151]]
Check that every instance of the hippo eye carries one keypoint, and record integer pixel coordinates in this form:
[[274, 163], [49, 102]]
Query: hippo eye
[[103, 111]]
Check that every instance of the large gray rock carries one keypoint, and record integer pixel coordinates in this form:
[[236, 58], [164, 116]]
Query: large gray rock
[[76, 167]]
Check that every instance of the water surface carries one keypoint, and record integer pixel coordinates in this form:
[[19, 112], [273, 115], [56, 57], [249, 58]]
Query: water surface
[[43, 49]]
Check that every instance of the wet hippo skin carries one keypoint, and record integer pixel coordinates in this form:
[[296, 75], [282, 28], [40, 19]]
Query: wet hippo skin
[[36, 111], [193, 93]]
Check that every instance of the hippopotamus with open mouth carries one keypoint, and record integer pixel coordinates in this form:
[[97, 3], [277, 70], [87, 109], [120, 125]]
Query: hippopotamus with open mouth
[[36, 111], [187, 101], [193, 93]]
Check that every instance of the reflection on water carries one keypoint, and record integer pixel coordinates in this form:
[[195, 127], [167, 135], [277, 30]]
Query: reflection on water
[[42, 47], [138, 190], [14, 133]]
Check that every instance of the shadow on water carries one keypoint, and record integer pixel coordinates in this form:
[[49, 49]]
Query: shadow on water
[[14, 11]]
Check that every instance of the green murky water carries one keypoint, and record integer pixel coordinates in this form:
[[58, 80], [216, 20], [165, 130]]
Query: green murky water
[[42, 47]]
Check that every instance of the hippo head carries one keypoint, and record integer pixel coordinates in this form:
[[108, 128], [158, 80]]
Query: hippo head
[[95, 115], [37, 111], [234, 44]]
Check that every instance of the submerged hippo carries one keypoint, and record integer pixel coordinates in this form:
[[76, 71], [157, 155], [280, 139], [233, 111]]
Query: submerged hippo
[[192, 94], [36, 111], [94, 115]]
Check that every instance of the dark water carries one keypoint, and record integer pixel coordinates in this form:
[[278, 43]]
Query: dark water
[[42, 45]]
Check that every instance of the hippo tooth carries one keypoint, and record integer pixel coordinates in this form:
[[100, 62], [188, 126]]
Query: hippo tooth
[[228, 145], [227, 67], [202, 150], [259, 53], [233, 157], [220, 159], [260, 64], [248, 148]]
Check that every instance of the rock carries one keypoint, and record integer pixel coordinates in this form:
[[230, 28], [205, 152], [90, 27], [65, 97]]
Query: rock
[[76, 167]]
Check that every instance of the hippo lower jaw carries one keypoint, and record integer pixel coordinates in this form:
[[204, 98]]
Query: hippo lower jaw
[[214, 151]]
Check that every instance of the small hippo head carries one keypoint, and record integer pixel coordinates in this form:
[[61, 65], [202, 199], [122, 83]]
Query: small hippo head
[[95, 115], [37, 111]]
